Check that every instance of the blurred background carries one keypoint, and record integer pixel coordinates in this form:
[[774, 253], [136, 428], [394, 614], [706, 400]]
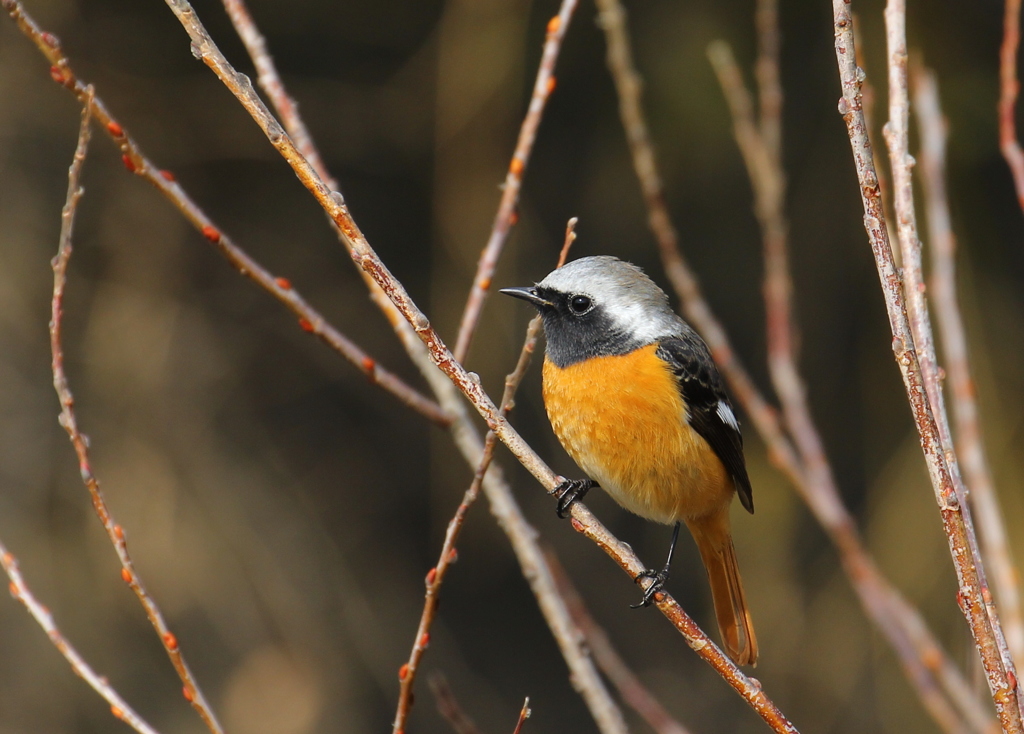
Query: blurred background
[[283, 512]]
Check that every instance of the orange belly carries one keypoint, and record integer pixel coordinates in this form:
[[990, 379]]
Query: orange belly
[[622, 419]]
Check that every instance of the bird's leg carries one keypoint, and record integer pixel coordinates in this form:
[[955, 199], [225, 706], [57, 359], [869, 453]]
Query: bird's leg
[[659, 577], [571, 491]]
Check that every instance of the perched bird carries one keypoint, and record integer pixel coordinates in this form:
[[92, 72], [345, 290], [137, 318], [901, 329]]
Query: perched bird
[[634, 397]]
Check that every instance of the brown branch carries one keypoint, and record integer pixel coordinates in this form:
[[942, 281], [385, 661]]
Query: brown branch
[[67, 419], [436, 575], [916, 647], [20, 591], [524, 714], [970, 446], [503, 220], [1009, 88], [467, 383], [880, 600], [951, 508], [309, 319], [448, 706], [629, 686]]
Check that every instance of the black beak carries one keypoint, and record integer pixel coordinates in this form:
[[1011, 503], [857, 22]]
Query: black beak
[[528, 294]]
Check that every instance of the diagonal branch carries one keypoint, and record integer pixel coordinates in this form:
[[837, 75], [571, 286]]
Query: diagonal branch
[[467, 383], [20, 591], [309, 319]]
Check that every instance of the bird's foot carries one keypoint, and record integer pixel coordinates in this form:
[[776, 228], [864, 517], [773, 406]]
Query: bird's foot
[[571, 491], [659, 578]]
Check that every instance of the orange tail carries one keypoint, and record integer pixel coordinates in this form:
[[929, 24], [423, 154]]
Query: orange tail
[[715, 544]]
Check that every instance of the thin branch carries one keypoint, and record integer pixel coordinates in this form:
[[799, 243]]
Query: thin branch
[[20, 591], [950, 505], [879, 599], [448, 706], [503, 220], [916, 647], [1009, 88], [988, 633], [524, 714], [67, 419], [437, 575], [467, 383], [629, 686], [309, 319], [970, 446]]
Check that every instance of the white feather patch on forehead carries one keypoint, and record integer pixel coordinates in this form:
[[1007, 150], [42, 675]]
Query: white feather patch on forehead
[[632, 301]]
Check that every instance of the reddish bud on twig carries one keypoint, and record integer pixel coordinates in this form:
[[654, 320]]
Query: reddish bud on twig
[[167, 175], [57, 74], [114, 129], [170, 641], [453, 555], [552, 83], [126, 575], [513, 218], [211, 233], [51, 40], [554, 24], [187, 693], [128, 163], [8, 559], [119, 532], [431, 576], [403, 671], [485, 284], [13, 588], [118, 713], [283, 283], [305, 325], [425, 639], [516, 167]]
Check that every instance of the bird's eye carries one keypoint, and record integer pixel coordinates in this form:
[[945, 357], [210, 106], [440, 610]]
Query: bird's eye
[[580, 304]]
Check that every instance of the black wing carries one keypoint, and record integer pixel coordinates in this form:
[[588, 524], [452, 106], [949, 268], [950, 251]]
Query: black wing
[[711, 413]]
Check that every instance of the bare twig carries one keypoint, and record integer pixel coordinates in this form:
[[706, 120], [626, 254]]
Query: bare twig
[[629, 686], [1009, 88], [468, 384], [503, 220], [970, 447], [436, 575], [524, 714], [135, 161], [448, 706], [951, 508], [916, 647], [67, 419], [20, 591]]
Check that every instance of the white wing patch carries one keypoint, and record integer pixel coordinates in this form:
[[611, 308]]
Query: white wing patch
[[727, 416]]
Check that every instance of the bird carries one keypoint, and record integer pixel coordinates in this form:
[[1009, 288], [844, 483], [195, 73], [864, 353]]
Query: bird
[[636, 400]]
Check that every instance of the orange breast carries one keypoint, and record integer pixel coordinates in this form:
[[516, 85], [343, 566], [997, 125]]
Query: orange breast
[[622, 419]]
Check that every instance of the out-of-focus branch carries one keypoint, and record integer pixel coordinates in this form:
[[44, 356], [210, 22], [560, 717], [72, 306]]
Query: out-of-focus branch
[[436, 576], [69, 422], [1009, 88], [629, 686], [467, 383], [503, 220], [970, 447], [916, 647], [951, 508], [20, 591], [136, 162], [448, 706]]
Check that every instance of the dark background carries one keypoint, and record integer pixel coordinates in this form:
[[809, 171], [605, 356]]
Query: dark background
[[283, 512]]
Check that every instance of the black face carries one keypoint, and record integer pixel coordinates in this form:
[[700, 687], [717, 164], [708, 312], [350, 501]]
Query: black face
[[577, 327]]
